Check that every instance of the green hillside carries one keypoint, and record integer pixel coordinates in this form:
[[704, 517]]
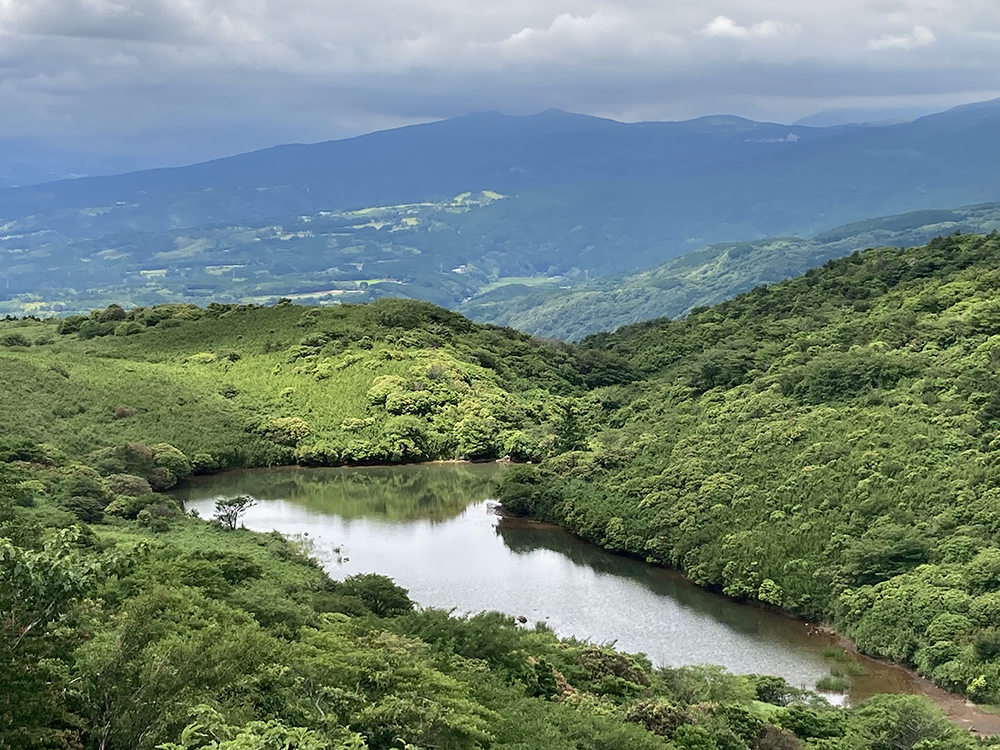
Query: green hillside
[[128, 624], [826, 445], [707, 276], [252, 386]]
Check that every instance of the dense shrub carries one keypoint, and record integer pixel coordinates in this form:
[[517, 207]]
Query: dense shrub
[[128, 506], [87, 509], [379, 594], [14, 339], [287, 431], [128, 484]]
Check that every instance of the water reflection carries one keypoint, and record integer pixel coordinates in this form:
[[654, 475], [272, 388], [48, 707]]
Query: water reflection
[[430, 528], [434, 492], [524, 537]]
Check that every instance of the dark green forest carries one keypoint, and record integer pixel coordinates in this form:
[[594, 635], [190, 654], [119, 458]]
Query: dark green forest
[[826, 445], [823, 445]]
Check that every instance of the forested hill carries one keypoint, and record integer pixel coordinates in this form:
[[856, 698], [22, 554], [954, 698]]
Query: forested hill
[[130, 625], [827, 445]]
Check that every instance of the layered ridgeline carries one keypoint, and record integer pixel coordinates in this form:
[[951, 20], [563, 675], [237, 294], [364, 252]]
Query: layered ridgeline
[[446, 210], [706, 276], [827, 445]]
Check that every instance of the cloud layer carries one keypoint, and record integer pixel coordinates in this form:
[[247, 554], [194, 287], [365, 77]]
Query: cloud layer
[[195, 78]]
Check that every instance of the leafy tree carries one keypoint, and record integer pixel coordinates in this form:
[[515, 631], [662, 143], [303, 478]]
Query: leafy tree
[[383, 597], [902, 722], [39, 588], [229, 511]]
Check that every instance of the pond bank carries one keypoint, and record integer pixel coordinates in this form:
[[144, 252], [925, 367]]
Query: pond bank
[[430, 527]]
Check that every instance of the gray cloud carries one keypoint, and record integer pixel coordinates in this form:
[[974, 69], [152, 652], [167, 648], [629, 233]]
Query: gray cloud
[[921, 36], [185, 79]]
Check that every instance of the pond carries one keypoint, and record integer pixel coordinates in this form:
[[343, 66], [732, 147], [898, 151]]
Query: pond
[[433, 528]]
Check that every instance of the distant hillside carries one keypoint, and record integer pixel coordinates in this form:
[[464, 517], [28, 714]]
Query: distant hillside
[[709, 275], [584, 197], [409, 250]]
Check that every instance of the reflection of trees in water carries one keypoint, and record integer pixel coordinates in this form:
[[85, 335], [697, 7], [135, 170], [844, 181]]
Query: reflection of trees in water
[[523, 537], [401, 493]]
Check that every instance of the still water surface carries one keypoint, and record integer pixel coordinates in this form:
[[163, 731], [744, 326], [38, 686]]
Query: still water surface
[[434, 530]]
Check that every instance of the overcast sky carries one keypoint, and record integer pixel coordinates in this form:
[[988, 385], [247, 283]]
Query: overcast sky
[[190, 79]]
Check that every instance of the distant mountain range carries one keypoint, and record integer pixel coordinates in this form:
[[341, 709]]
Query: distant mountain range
[[474, 203], [25, 162]]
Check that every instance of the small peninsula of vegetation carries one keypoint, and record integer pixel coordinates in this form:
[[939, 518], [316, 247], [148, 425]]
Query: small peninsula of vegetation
[[824, 445]]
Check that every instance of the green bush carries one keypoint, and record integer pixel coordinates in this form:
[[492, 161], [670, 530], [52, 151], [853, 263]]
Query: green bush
[[986, 645], [983, 571], [14, 339], [87, 509], [128, 484], [657, 716], [128, 506], [382, 597], [79, 480], [166, 456], [288, 431]]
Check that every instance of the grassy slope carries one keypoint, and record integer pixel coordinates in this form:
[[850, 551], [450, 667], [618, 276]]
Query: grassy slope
[[211, 382]]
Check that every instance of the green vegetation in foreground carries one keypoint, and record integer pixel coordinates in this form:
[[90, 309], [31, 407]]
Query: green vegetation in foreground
[[128, 624], [827, 445], [706, 276]]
